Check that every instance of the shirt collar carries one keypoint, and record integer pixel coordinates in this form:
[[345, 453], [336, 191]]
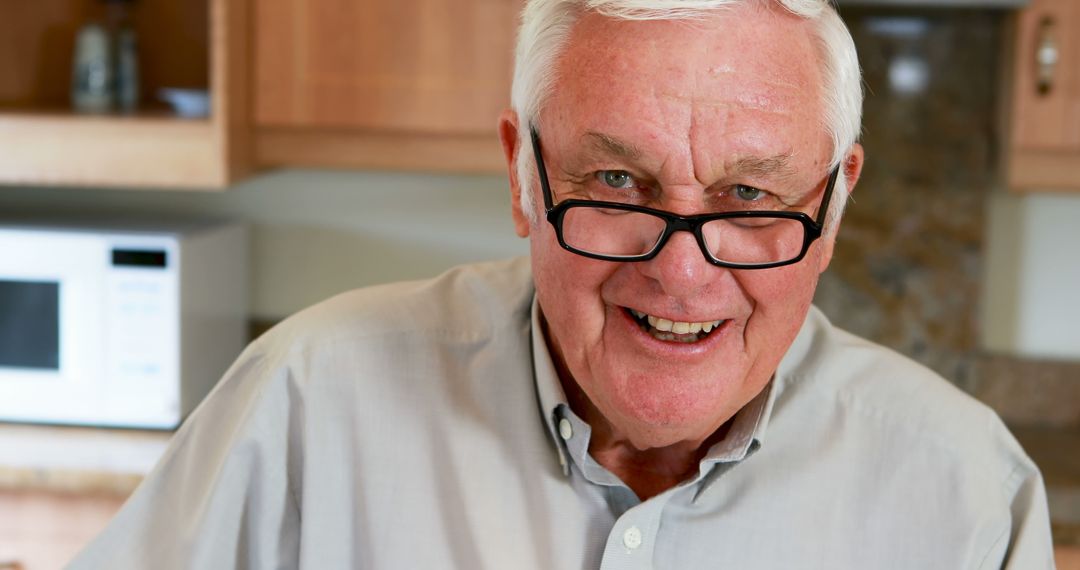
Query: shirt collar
[[548, 389], [745, 436]]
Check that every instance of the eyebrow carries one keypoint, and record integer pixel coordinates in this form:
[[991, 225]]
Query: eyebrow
[[778, 165], [611, 145]]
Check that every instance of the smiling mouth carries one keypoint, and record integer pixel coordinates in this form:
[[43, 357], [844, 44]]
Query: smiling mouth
[[674, 331]]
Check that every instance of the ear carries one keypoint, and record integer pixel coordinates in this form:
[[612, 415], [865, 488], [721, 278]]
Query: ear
[[511, 143], [851, 170]]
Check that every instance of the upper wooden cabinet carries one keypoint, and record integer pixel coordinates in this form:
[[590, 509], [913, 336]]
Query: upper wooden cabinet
[[1044, 146], [409, 84], [182, 43]]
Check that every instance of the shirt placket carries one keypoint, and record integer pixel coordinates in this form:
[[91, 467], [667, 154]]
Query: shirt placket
[[632, 541]]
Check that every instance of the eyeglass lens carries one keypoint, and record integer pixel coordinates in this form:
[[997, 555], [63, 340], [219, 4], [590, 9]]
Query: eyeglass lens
[[622, 233]]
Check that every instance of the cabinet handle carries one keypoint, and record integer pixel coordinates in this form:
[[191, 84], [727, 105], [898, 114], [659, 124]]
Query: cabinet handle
[[1047, 55]]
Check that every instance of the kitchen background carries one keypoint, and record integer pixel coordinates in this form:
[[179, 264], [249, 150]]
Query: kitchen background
[[936, 257]]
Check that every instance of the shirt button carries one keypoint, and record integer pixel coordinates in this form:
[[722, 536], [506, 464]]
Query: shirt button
[[632, 537], [565, 430]]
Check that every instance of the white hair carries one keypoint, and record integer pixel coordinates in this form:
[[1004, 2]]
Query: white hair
[[545, 29]]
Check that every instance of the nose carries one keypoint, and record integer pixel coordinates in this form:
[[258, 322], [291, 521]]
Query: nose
[[680, 268]]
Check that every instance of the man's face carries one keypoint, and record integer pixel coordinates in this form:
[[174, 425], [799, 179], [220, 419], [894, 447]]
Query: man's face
[[702, 107]]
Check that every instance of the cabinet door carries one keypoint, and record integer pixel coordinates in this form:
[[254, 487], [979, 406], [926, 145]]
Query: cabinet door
[[426, 66], [1045, 137]]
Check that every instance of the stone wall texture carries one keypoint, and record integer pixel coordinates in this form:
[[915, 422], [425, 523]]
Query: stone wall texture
[[908, 264]]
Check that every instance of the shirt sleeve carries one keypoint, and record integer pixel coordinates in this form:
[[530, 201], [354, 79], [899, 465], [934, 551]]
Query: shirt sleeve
[[223, 495], [1030, 545]]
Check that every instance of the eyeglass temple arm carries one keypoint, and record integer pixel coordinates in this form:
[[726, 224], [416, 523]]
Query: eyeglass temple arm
[[823, 211], [541, 168]]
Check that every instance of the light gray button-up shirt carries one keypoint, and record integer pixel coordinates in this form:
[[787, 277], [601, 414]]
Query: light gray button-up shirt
[[422, 425]]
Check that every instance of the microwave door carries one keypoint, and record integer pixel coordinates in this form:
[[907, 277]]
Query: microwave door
[[51, 286], [30, 325]]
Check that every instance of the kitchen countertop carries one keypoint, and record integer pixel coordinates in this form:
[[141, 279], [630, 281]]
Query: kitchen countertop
[[77, 459], [1056, 450]]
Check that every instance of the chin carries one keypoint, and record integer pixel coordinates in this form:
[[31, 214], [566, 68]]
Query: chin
[[643, 437], [660, 420]]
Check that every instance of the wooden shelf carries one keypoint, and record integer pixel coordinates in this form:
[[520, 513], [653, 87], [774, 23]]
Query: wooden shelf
[[182, 43], [378, 150], [139, 151], [1044, 171]]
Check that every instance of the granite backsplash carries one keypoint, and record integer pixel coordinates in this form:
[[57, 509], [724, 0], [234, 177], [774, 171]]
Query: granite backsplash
[[908, 265]]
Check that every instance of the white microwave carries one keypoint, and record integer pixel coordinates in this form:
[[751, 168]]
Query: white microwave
[[118, 327]]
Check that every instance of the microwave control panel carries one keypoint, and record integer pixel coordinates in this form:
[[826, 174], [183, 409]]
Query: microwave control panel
[[143, 329]]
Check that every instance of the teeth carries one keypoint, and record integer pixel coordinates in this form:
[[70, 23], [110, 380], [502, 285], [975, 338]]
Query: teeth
[[660, 324], [677, 327]]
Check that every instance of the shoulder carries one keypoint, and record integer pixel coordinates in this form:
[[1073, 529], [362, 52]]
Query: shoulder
[[906, 464], [870, 379], [421, 330], [466, 303], [909, 410]]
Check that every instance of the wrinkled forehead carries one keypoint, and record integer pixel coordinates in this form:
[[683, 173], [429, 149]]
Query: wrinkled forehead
[[750, 58]]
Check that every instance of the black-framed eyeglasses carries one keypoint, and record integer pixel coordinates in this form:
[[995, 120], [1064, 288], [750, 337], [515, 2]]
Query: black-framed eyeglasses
[[614, 231]]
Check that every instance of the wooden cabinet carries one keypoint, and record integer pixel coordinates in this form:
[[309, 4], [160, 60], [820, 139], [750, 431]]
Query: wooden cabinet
[[182, 43], [409, 84], [1044, 145], [404, 85]]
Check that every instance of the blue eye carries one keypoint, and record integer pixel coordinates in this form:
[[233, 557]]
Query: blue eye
[[616, 178], [748, 193]]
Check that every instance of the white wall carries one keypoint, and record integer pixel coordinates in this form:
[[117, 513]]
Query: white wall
[[1031, 300], [317, 233]]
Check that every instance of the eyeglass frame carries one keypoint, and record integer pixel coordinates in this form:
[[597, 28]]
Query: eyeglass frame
[[555, 213]]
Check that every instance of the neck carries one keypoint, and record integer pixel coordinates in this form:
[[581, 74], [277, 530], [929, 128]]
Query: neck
[[648, 472]]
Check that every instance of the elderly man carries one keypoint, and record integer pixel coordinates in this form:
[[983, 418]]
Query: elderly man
[[652, 389]]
